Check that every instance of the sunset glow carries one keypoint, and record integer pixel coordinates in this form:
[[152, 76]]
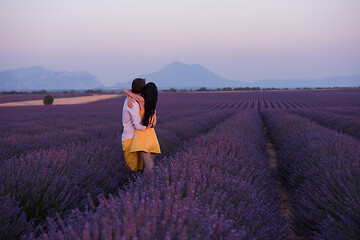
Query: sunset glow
[[240, 40]]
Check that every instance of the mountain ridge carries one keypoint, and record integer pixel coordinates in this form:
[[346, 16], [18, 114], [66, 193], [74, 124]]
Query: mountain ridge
[[39, 78], [174, 75], [179, 75]]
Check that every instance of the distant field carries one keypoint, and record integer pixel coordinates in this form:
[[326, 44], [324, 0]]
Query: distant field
[[258, 100], [4, 98], [234, 165], [63, 100]]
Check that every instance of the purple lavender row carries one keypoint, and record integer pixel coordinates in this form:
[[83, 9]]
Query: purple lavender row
[[322, 171], [344, 111], [25, 132], [33, 123], [19, 144], [22, 120], [171, 135], [167, 116], [44, 182], [349, 125], [35, 136], [218, 187], [308, 98], [51, 181], [39, 119]]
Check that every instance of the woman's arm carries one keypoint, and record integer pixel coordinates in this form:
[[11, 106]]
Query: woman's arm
[[129, 102], [137, 97]]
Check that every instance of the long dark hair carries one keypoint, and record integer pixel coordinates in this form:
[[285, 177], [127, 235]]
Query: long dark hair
[[150, 94]]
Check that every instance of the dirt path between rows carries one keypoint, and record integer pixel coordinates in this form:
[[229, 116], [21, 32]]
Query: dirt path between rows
[[63, 101], [284, 197]]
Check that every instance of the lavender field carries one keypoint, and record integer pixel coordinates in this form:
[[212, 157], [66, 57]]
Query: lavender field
[[234, 165]]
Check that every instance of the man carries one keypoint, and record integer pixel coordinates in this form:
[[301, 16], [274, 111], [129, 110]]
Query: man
[[131, 121]]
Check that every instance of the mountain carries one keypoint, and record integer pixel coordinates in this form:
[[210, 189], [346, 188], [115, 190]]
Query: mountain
[[179, 75], [38, 78], [174, 75]]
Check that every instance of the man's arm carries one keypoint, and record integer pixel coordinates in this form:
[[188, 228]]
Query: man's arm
[[135, 116]]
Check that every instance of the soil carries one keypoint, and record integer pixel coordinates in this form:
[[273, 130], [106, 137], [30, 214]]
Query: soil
[[284, 196]]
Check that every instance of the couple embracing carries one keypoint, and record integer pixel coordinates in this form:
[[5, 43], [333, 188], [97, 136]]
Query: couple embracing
[[139, 141]]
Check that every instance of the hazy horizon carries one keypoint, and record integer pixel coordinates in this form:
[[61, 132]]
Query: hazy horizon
[[246, 41]]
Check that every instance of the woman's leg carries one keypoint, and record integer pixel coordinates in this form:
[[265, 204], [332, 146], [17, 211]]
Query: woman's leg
[[153, 155], [147, 159]]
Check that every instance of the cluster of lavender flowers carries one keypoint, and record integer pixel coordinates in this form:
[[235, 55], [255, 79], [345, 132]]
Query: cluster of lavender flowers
[[342, 123], [172, 133], [322, 170], [12, 219], [74, 154], [219, 186]]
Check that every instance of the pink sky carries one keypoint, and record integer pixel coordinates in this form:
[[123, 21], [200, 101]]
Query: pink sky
[[240, 40]]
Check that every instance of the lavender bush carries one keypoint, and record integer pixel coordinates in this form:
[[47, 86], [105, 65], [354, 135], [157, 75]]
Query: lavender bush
[[64, 126], [173, 133], [52, 156], [322, 170], [349, 125], [80, 160], [218, 186], [12, 219], [51, 181], [345, 111]]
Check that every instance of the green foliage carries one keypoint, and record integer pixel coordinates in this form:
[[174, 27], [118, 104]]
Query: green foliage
[[202, 89], [93, 91], [170, 90], [39, 92], [48, 99]]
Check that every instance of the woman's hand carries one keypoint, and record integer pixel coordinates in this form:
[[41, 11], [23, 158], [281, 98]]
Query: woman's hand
[[129, 101]]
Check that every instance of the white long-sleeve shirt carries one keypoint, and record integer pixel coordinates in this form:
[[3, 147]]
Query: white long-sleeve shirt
[[131, 120]]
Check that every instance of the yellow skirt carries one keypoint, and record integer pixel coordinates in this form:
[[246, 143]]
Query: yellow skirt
[[132, 159], [145, 141]]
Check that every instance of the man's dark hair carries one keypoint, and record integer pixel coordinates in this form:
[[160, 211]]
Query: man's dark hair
[[137, 85]]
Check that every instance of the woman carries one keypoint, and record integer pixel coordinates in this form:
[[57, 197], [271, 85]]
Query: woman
[[145, 142]]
